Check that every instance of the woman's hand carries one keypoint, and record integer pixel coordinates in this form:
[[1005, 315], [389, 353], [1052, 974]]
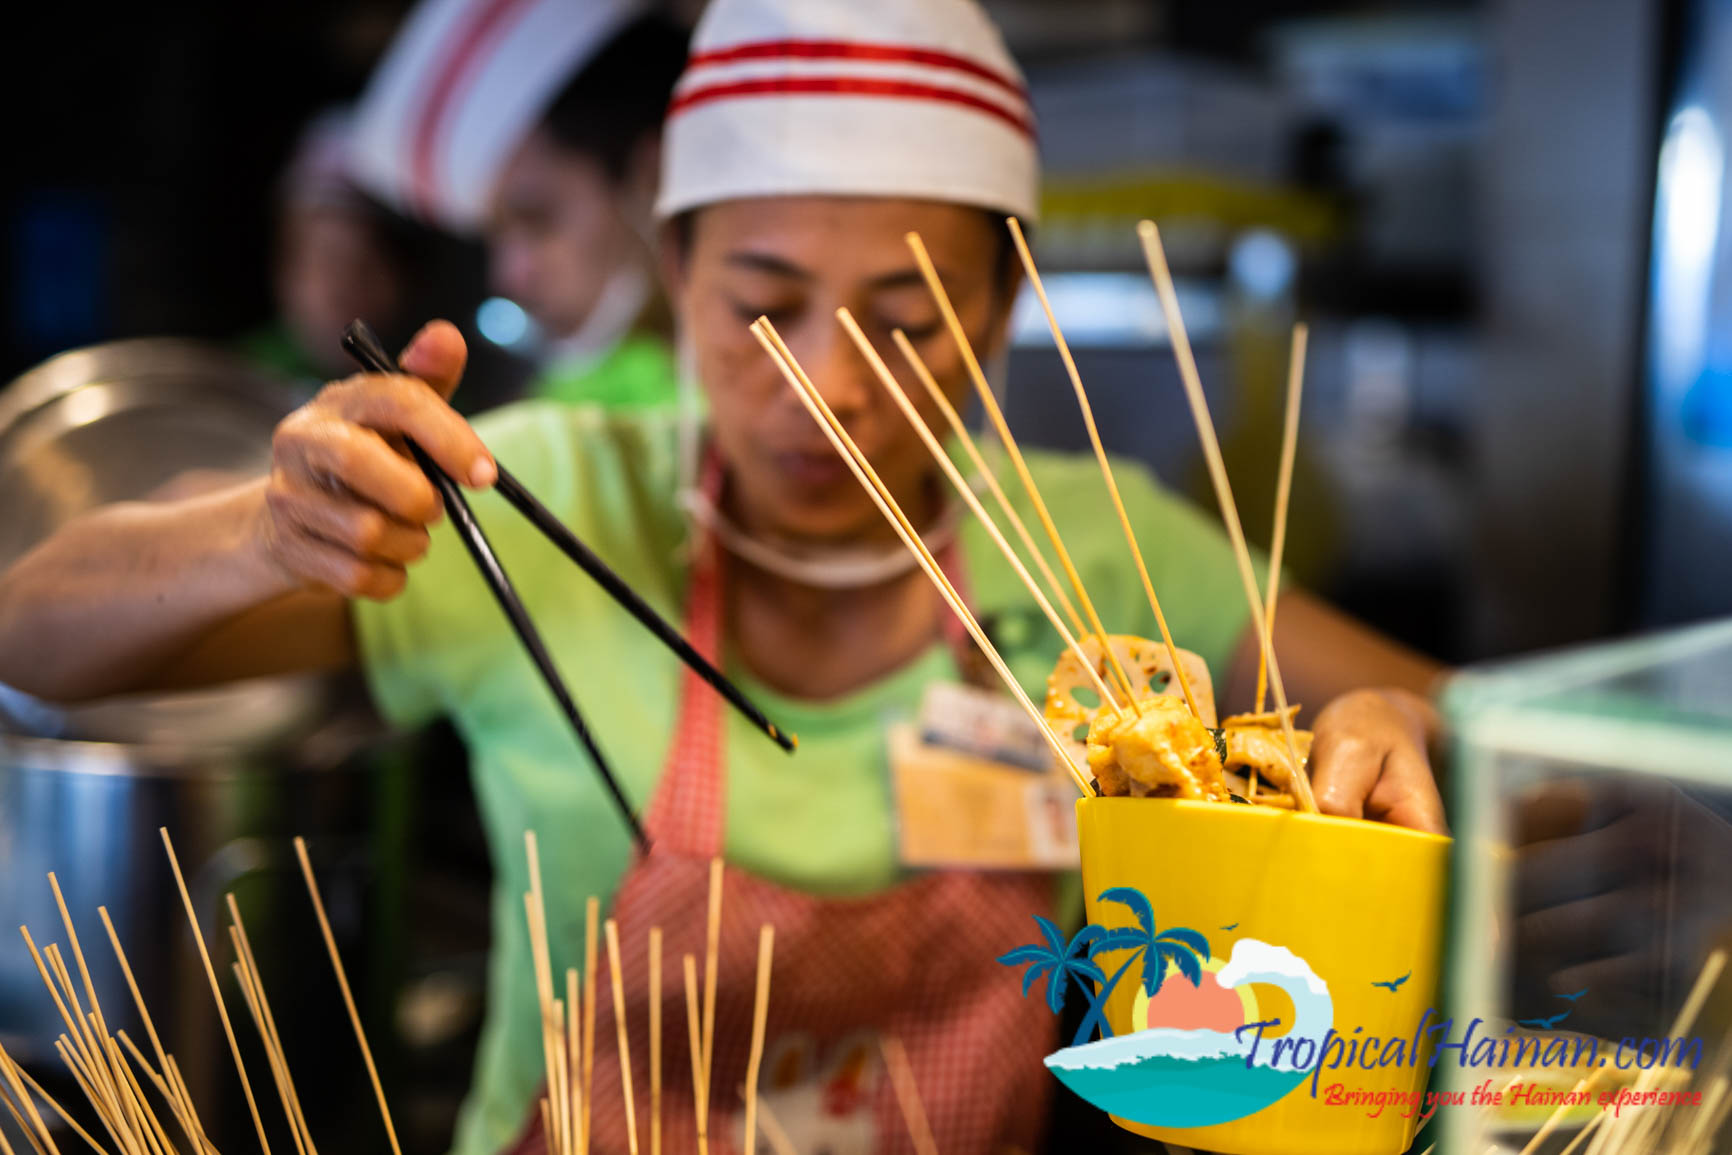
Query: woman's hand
[[345, 508], [1369, 759]]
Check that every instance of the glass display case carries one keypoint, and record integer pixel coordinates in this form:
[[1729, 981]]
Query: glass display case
[[1593, 896]]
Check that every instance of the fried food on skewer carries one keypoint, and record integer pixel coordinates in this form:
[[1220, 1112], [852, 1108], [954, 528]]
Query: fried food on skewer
[[1156, 747], [1163, 751], [1255, 745]]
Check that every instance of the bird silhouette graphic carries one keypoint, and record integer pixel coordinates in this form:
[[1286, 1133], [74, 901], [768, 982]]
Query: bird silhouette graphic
[[1394, 985], [1545, 1024], [1574, 997], [1231, 926]]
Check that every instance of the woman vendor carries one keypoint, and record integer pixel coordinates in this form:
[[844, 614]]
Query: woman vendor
[[805, 140], [538, 124]]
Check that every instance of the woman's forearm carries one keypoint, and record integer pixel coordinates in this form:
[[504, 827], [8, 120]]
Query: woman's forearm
[[116, 595]]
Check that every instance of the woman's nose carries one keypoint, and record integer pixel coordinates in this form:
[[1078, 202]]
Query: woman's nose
[[835, 366]]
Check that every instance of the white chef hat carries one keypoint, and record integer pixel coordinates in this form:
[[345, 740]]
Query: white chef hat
[[903, 98], [462, 86]]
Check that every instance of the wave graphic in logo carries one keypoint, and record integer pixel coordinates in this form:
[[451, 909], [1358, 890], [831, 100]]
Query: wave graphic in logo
[[1188, 1064]]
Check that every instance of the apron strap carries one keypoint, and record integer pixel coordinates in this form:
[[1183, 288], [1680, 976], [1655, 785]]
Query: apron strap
[[688, 814]]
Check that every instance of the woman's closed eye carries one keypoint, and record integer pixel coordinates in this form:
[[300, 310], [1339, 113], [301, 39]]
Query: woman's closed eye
[[782, 314]]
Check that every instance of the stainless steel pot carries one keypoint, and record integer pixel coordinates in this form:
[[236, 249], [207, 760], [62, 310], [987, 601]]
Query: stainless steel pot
[[231, 772]]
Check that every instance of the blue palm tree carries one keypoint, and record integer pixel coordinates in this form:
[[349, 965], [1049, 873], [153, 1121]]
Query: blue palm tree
[[1178, 945], [1060, 962]]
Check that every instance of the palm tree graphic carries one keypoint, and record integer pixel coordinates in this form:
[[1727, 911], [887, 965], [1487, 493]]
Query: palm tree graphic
[[1060, 962], [1178, 945]]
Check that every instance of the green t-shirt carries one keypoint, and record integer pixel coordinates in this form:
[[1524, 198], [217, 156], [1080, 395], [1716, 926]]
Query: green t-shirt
[[444, 647], [638, 373]]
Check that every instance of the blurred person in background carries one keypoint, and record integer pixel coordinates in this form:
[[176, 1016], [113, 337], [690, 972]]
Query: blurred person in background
[[339, 255], [538, 125]]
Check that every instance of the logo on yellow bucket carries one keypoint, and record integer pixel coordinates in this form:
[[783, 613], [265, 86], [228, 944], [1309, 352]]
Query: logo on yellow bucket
[[1195, 1059]]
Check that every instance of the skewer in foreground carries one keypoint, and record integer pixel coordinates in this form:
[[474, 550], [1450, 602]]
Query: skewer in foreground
[[617, 982], [216, 991], [1163, 278], [908, 1095], [343, 985], [760, 1013], [881, 496], [1283, 492], [1094, 432], [989, 402], [898, 395]]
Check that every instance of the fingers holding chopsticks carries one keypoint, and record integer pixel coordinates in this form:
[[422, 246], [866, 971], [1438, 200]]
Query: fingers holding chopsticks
[[345, 507]]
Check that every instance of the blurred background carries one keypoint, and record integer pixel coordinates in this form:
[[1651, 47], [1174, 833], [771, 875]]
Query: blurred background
[[1499, 218]]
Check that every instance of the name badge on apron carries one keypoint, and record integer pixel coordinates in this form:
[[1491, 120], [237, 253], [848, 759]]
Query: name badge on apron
[[975, 787]]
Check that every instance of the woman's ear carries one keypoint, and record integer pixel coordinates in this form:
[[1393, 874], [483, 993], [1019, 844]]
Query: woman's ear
[[640, 183], [672, 251], [1003, 304]]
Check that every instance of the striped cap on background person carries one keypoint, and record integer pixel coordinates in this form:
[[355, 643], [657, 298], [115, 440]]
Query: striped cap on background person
[[462, 86], [893, 98]]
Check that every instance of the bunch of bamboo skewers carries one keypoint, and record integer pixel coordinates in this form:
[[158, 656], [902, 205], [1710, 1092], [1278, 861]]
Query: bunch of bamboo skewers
[[569, 1052], [111, 1070], [1087, 623]]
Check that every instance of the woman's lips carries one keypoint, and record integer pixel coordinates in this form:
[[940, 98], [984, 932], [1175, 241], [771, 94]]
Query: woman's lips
[[817, 469]]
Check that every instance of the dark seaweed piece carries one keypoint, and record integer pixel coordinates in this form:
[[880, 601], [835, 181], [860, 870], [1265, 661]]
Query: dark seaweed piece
[[1219, 734], [1239, 800]]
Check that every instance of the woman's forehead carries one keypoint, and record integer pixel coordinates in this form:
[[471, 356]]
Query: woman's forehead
[[861, 237]]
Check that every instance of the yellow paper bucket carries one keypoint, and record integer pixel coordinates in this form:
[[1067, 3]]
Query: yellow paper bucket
[[1303, 916]]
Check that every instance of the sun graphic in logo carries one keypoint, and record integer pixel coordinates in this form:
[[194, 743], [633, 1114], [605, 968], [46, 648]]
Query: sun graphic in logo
[[1208, 1006]]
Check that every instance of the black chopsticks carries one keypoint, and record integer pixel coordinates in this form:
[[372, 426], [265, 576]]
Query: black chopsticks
[[361, 343]]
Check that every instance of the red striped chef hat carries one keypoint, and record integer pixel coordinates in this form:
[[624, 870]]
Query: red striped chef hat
[[462, 86], [903, 98]]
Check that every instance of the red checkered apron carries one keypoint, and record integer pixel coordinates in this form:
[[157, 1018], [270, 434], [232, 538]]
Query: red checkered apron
[[916, 962]]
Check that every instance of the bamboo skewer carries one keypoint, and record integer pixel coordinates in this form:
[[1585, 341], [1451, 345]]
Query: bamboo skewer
[[250, 995], [573, 1083], [16, 1074], [83, 1039], [108, 1116], [93, 1055], [900, 396], [989, 402], [881, 496], [274, 1040], [655, 1013], [216, 991], [1163, 278], [183, 1107], [1616, 1137], [1283, 491], [695, 1030], [56, 1107], [771, 1128], [1094, 433], [554, 1026], [959, 429], [616, 980], [535, 915], [48, 980], [134, 1116], [24, 1127], [348, 995], [712, 954], [77, 953], [155, 1132], [168, 1091], [760, 1014], [591, 913], [12, 1073], [908, 1095]]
